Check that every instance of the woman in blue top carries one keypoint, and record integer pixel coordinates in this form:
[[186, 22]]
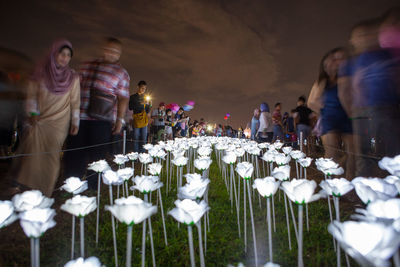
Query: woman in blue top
[[336, 128]]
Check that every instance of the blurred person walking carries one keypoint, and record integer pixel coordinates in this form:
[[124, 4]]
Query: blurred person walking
[[335, 125], [255, 123], [303, 117], [104, 100], [52, 107], [277, 122], [372, 78], [157, 127], [265, 130], [141, 109]]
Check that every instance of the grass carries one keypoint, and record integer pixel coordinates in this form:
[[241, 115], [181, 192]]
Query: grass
[[223, 244]]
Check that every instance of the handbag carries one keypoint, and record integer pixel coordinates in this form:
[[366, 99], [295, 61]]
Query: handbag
[[101, 104], [140, 120]]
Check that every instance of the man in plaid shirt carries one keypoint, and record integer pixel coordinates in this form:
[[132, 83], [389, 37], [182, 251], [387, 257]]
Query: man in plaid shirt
[[108, 76]]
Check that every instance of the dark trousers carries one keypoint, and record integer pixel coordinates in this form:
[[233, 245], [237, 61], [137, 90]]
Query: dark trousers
[[90, 133], [382, 123], [140, 138]]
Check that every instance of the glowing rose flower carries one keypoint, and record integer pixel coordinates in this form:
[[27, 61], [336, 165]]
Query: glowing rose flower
[[188, 211], [160, 154], [305, 162], [111, 177], [266, 186], [31, 199], [154, 168], [385, 211], [81, 262], [268, 157], [178, 153], [74, 185], [7, 214], [278, 145], [120, 159], [153, 152], [371, 189], [99, 166], [394, 180], [239, 152], [79, 206], [192, 176], [131, 210], [244, 169], [147, 184], [336, 187], [255, 151], [392, 165], [133, 156], [287, 149], [297, 154], [180, 161], [125, 173], [263, 145], [328, 167], [301, 191], [271, 264], [148, 146], [145, 158], [36, 221], [281, 173], [193, 190], [229, 158], [204, 151], [202, 164], [370, 244], [282, 159], [168, 147]]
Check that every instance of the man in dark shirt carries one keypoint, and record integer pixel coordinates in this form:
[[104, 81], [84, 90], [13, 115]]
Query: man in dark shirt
[[137, 104], [303, 116]]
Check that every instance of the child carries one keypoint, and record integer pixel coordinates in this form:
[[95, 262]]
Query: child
[[169, 123], [291, 129]]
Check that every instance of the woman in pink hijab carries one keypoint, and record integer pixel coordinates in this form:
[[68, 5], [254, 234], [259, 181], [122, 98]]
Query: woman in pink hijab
[[52, 109]]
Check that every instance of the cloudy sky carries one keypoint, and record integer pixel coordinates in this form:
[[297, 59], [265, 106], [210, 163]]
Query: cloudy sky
[[226, 55]]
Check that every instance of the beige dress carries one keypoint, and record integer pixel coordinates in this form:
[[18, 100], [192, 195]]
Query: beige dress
[[57, 113]]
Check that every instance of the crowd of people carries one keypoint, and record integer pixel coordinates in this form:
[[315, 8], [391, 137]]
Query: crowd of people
[[354, 103], [353, 106]]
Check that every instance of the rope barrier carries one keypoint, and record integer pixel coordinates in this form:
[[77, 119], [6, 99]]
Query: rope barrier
[[59, 151]]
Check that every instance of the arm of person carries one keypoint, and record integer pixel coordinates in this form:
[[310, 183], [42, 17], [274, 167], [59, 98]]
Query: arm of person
[[31, 104], [75, 102], [122, 103], [344, 94], [315, 98], [121, 110]]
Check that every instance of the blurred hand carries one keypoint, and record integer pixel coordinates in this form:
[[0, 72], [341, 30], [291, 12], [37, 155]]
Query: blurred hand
[[33, 120], [73, 130], [117, 127]]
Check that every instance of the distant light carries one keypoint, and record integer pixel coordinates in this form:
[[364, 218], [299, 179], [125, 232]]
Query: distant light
[[147, 98], [209, 128]]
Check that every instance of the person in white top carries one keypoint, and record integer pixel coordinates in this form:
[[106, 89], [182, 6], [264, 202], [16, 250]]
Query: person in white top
[[265, 130]]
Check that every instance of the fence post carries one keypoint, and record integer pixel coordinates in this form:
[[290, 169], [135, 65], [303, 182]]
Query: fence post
[[124, 142], [301, 141]]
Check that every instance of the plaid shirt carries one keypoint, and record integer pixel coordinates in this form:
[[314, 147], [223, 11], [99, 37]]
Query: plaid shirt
[[110, 78]]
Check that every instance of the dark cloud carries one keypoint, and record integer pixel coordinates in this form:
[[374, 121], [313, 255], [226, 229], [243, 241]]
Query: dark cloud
[[228, 55]]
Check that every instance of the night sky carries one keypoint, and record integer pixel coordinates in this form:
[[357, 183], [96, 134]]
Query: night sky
[[227, 56]]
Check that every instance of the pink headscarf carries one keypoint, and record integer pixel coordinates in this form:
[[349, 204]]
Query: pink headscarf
[[57, 79]]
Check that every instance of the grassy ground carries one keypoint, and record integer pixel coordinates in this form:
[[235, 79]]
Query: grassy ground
[[223, 243]]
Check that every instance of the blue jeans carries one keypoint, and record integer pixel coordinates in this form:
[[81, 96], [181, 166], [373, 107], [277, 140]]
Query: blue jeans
[[140, 138], [278, 133], [305, 129]]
